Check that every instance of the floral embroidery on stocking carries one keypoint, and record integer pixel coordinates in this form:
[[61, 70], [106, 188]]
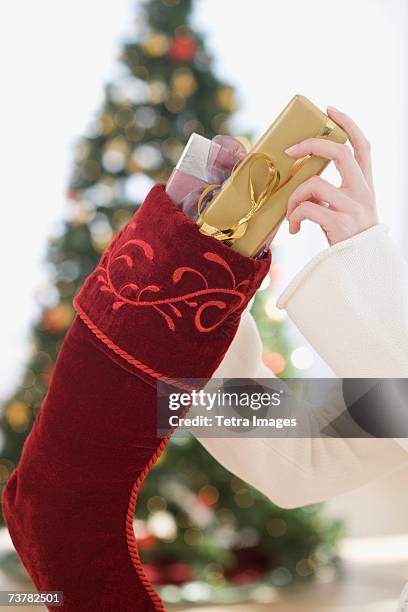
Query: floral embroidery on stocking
[[132, 293]]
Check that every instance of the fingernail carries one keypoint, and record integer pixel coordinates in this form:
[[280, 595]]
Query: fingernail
[[334, 109], [291, 149]]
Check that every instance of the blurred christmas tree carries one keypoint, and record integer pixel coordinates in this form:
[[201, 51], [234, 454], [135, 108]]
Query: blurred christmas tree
[[195, 521]]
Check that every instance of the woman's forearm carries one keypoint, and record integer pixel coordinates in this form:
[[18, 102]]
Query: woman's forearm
[[294, 472]]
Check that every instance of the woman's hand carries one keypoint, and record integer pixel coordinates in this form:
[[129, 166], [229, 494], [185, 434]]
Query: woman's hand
[[341, 212]]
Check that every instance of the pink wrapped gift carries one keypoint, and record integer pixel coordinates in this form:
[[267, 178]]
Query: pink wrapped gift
[[203, 162]]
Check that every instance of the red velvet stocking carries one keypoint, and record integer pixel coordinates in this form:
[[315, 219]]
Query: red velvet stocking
[[164, 302]]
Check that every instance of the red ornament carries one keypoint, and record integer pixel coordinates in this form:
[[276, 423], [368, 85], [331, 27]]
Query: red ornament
[[164, 571], [183, 49], [275, 362], [251, 565], [72, 194], [148, 542]]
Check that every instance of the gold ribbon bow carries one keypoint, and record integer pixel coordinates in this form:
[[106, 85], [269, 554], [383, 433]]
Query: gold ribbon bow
[[272, 184]]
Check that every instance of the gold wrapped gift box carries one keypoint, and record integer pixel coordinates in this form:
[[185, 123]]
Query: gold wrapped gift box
[[254, 199]]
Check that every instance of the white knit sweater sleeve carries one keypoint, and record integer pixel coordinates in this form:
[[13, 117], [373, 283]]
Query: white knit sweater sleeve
[[351, 302]]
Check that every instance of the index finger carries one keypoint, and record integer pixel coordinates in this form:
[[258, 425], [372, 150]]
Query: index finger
[[359, 142], [351, 173]]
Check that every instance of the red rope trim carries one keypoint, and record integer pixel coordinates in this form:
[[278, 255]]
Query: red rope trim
[[122, 353], [130, 534]]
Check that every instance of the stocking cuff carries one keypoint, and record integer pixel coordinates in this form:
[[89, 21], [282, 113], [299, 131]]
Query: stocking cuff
[[166, 298]]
